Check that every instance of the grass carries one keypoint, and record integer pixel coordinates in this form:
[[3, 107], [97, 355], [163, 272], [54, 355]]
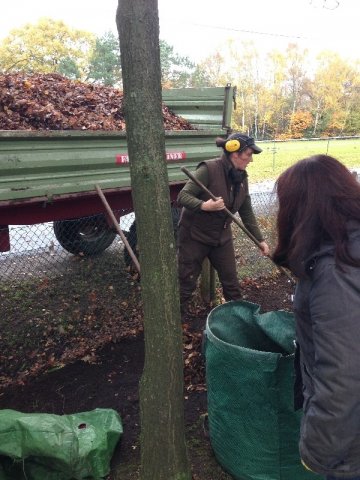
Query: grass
[[277, 156]]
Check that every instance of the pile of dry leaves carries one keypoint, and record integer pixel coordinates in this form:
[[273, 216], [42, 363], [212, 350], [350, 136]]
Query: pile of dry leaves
[[53, 102]]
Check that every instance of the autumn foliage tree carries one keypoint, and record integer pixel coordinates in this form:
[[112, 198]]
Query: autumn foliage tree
[[278, 90], [44, 47], [300, 122]]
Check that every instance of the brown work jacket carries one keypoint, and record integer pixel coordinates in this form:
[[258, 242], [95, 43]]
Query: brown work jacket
[[213, 228]]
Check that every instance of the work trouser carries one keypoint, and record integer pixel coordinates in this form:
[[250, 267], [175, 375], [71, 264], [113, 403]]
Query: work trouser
[[191, 255]]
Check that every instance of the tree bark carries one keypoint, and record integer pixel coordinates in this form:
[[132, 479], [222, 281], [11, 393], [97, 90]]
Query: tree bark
[[163, 447]]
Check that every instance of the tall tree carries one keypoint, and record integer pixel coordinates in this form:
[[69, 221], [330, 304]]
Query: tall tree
[[275, 84], [104, 66], [327, 89], [352, 101], [215, 67], [243, 70], [178, 71], [200, 77], [163, 448], [296, 75], [336, 85], [44, 46], [68, 67]]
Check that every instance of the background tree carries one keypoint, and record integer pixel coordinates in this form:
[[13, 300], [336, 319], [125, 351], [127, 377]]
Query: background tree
[[273, 95], [68, 67], [352, 101], [179, 71], [215, 67], [200, 77], [44, 47], [163, 449], [300, 123], [278, 91], [296, 77], [241, 68], [104, 65]]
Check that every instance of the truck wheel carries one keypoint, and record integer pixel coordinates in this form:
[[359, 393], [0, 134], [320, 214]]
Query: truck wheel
[[132, 235], [86, 235]]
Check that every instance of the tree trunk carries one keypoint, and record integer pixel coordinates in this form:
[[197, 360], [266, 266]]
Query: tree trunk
[[242, 111], [163, 448], [316, 121]]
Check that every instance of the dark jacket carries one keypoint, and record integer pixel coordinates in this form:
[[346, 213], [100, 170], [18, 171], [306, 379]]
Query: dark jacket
[[327, 310], [213, 228]]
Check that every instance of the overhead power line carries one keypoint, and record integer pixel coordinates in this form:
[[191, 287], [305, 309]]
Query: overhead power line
[[254, 32], [327, 4]]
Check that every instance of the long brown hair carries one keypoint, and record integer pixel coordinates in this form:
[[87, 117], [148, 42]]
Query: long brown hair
[[317, 196]]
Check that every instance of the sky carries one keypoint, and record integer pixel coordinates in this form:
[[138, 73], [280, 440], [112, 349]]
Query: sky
[[196, 28]]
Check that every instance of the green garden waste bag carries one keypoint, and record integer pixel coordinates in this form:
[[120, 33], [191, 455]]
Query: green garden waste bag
[[254, 430], [41, 446]]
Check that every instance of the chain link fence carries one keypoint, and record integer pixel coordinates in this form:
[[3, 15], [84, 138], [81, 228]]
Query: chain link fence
[[53, 249], [250, 262]]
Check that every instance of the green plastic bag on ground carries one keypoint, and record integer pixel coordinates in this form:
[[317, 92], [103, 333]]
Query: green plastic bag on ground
[[254, 430], [41, 446]]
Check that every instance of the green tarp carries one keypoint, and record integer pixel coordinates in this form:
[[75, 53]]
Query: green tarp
[[254, 430], [40, 446]]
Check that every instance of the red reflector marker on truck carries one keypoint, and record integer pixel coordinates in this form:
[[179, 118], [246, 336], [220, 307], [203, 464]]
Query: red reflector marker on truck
[[123, 158]]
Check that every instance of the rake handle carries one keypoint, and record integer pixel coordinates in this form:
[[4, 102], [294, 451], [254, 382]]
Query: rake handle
[[236, 220]]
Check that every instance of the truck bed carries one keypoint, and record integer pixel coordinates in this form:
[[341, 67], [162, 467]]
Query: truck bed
[[48, 165]]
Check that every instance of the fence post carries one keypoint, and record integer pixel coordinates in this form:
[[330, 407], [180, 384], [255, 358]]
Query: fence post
[[207, 282]]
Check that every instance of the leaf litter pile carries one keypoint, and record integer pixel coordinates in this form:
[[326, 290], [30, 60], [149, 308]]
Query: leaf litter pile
[[53, 102], [59, 325], [54, 322]]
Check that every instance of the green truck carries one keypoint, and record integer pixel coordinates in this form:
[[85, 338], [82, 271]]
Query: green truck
[[50, 176]]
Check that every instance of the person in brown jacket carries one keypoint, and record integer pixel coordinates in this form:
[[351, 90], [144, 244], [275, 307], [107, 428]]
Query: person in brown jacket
[[204, 227]]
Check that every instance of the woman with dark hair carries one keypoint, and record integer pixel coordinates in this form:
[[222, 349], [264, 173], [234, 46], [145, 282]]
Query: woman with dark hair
[[204, 227], [319, 241]]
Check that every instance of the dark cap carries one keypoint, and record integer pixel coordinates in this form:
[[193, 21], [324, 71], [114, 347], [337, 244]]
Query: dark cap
[[243, 142]]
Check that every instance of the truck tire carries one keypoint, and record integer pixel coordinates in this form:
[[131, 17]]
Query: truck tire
[[86, 235], [132, 235]]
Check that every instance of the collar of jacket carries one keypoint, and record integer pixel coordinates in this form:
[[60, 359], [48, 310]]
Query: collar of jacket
[[328, 248], [234, 175]]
